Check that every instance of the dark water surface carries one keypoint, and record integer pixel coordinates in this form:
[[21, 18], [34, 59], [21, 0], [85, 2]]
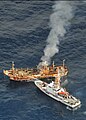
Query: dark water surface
[[24, 27]]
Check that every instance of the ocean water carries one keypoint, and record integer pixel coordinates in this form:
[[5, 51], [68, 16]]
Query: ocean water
[[24, 27]]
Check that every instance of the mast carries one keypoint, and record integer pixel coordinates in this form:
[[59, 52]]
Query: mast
[[53, 65], [63, 63], [57, 80], [13, 65]]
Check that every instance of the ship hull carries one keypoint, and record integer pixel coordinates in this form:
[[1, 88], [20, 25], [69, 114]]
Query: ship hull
[[28, 74], [58, 98]]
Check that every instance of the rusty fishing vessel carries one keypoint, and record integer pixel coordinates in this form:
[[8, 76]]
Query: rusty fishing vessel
[[30, 74]]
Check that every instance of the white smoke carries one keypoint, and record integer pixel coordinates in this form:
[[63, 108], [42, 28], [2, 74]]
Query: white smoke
[[59, 20]]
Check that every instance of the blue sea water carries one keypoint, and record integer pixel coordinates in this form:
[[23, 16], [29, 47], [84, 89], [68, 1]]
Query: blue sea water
[[24, 27]]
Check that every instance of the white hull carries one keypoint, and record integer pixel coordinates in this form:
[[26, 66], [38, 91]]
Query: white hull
[[70, 102]]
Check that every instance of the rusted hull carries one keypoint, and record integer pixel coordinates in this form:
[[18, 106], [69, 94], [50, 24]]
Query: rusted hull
[[27, 74]]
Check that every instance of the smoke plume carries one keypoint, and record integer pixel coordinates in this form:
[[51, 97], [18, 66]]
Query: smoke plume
[[59, 21]]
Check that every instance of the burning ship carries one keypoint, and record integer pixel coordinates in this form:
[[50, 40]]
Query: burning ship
[[27, 74]]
